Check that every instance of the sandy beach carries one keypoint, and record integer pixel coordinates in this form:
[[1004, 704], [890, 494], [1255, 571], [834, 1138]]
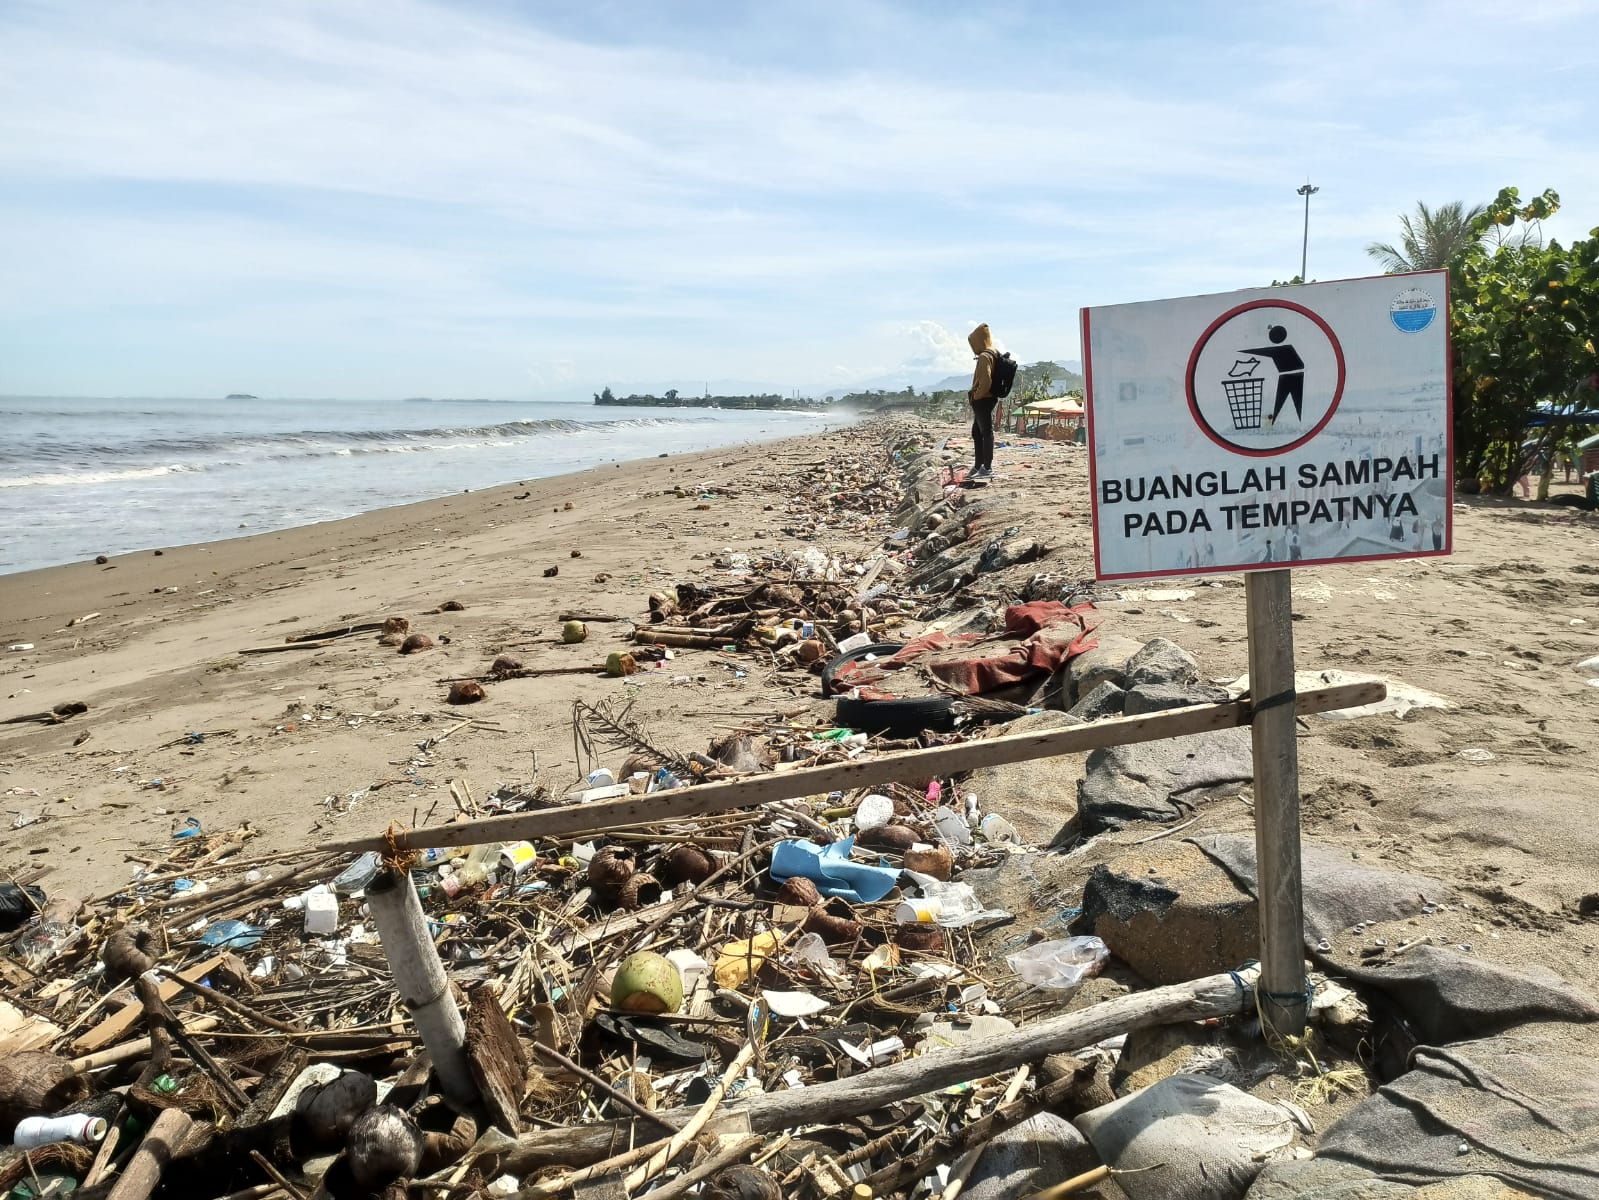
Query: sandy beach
[[323, 743]]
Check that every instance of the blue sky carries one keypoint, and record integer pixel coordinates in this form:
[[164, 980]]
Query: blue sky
[[524, 200]]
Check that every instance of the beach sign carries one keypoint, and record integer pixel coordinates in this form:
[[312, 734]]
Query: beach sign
[[1277, 427]]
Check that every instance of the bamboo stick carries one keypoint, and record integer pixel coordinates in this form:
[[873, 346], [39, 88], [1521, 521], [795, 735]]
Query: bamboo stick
[[913, 765], [420, 979]]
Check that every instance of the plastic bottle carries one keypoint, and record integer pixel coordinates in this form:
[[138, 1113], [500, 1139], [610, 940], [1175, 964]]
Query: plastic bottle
[[935, 791], [33, 1132]]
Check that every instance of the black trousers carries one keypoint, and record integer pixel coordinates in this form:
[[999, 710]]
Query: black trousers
[[983, 432]]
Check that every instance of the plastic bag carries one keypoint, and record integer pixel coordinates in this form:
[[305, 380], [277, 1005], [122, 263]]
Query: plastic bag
[[18, 905], [1060, 965]]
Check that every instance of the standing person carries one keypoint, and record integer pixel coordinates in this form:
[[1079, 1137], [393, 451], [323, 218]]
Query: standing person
[[983, 402]]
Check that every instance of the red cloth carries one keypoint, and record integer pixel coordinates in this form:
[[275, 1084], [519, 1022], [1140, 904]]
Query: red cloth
[[1053, 634]]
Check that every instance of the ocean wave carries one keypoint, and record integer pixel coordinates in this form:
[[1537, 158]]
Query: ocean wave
[[323, 441], [80, 478]]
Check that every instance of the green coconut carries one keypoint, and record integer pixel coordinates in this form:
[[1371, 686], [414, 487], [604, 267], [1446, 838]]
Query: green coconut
[[647, 983], [574, 631]]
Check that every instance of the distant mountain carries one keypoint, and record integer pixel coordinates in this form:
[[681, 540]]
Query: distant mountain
[[1069, 376]]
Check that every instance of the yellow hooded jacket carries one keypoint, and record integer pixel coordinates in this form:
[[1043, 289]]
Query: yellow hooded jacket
[[982, 344]]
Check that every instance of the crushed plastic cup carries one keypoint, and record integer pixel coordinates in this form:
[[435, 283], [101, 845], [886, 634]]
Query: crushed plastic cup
[[518, 857], [1060, 965], [951, 827], [996, 828], [918, 912]]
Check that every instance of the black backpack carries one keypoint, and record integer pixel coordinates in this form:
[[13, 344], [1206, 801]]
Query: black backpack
[[1004, 375]]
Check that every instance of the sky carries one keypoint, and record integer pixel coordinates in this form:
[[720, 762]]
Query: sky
[[387, 198]]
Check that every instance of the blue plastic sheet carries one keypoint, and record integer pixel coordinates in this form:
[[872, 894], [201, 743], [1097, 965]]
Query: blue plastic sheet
[[830, 869]]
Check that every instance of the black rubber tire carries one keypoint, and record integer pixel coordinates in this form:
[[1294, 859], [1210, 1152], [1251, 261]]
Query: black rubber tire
[[901, 718], [881, 649]]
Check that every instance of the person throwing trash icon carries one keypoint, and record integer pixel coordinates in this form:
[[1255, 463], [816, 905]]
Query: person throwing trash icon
[[1290, 372]]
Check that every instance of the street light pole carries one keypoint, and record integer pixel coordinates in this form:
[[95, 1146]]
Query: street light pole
[[1304, 247]]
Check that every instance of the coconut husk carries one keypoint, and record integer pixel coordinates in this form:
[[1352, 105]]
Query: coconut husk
[[610, 869], [415, 643], [129, 953], [465, 691], [799, 891], [641, 889], [835, 931], [56, 1158], [888, 837], [936, 861], [394, 630], [384, 1145], [506, 666], [925, 939], [742, 1182], [36, 1083]]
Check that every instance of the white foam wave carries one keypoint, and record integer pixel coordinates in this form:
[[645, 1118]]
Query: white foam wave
[[82, 478]]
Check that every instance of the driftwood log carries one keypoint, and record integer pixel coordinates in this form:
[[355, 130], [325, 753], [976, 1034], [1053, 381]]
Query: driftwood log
[[1213, 996]]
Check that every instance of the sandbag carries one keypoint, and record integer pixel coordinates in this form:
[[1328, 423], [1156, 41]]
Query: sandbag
[[1211, 1138]]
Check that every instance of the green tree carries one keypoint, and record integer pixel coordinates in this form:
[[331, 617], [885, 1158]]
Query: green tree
[[1524, 322], [1432, 239]]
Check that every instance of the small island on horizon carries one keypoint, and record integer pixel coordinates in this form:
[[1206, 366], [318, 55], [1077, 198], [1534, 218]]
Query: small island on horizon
[[240, 396]]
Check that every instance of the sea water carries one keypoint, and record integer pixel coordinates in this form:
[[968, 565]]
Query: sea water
[[84, 476]]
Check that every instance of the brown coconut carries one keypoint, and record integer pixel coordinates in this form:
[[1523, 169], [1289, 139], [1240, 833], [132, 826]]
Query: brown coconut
[[742, 1182], [452, 606], [385, 1144], [686, 863], [800, 891], [835, 931], [888, 837], [466, 691], [35, 1083], [416, 643], [610, 869], [808, 651], [129, 953], [641, 889], [325, 1112], [926, 939]]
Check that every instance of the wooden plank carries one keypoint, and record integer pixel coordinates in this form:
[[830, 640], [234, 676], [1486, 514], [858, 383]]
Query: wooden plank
[[118, 1023], [497, 1060], [577, 820], [1268, 602], [21, 1031]]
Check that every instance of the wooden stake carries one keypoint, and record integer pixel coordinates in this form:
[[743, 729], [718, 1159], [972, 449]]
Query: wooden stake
[[1268, 597], [913, 765], [143, 1172]]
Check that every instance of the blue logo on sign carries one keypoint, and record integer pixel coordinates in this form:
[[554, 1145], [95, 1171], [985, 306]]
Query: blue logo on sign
[[1412, 311]]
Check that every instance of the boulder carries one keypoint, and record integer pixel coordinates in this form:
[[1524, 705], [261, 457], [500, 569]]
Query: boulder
[[1029, 1157], [1106, 661], [1160, 661], [1106, 700], [1146, 782], [1154, 697], [1170, 914]]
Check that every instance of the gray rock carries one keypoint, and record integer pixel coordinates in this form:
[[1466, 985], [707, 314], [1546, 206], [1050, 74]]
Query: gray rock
[[1155, 697], [1141, 782], [1160, 661], [1038, 1153], [1171, 914], [1107, 661], [1106, 700]]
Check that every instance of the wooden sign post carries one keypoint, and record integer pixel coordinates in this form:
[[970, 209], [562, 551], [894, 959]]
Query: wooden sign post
[[1258, 432], [1268, 600]]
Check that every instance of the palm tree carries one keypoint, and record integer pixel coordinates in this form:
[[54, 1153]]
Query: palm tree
[[1430, 240]]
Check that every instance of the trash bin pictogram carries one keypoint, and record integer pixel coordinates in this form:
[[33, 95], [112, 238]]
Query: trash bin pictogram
[[1244, 400]]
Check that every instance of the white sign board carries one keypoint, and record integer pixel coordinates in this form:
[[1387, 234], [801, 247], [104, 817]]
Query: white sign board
[[1269, 428]]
